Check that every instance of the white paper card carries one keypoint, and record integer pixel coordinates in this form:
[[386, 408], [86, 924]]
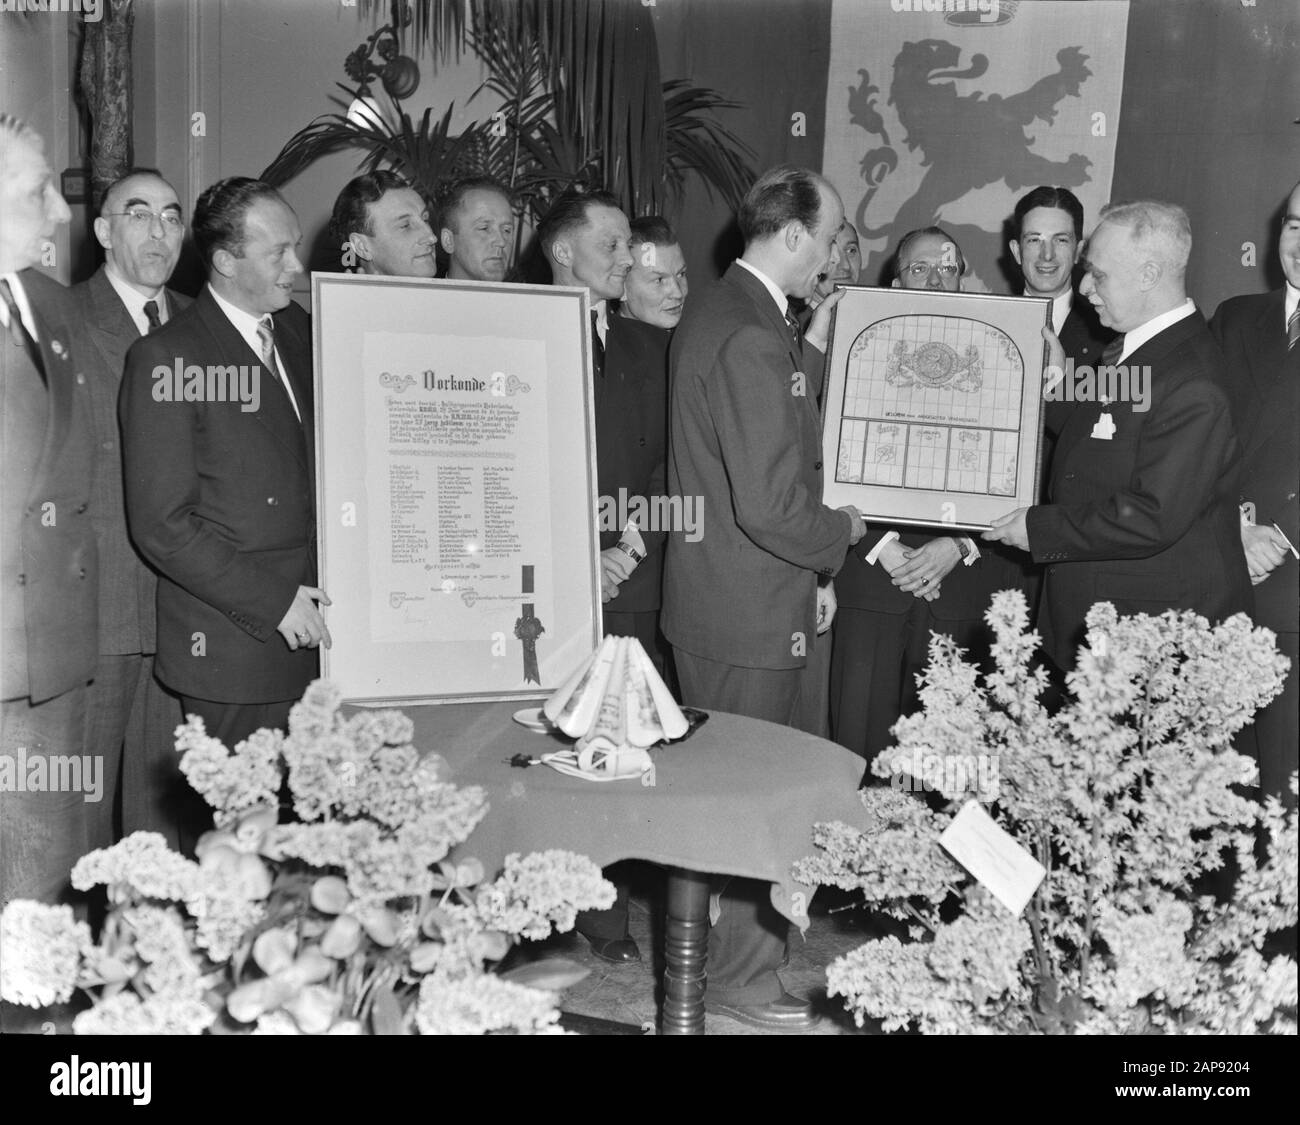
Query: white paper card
[[976, 841]]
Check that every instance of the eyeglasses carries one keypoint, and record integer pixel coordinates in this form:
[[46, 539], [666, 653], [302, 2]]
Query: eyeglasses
[[922, 269], [143, 218]]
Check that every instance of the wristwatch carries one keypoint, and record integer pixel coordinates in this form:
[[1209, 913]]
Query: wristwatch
[[963, 547], [631, 552]]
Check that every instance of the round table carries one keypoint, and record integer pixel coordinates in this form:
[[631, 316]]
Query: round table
[[739, 797]]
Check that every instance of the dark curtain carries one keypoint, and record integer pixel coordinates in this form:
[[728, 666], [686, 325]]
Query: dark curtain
[[772, 57], [1211, 95]]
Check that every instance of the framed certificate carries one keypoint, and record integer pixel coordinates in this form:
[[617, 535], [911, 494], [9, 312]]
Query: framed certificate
[[933, 405], [455, 471]]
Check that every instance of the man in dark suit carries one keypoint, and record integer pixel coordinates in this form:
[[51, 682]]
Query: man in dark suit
[[1260, 337], [1048, 236], [131, 718], [1143, 510], [220, 477], [632, 431], [587, 240], [900, 584], [742, 601], [48, 577]]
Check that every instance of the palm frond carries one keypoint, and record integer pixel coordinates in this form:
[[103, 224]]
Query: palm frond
[[425, 153], [581, 99]]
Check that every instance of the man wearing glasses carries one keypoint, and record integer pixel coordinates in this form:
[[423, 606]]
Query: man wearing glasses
[[130, 717]]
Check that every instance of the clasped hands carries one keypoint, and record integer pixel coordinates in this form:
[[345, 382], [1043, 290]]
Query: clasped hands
[[919, 571], [304, 625]]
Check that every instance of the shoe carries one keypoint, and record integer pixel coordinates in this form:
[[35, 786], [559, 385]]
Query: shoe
[[786, 1013], [617, 951]]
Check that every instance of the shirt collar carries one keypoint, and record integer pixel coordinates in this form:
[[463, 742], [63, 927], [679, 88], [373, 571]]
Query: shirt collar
[[782, 301], [134, 300], [1292, 302], [245, 322], [1153, 327], [24, 305], [1061, 304], [601, 311]]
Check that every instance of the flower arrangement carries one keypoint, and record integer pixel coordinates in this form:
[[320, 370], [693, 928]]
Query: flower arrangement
[[348, 921], [1128, 796]]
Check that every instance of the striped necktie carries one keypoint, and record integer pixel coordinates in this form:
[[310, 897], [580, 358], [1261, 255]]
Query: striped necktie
[[266, 333], [1293, 330], [1111, 352]]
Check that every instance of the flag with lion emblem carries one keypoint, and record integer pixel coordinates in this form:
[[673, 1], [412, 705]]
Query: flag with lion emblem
[[948, 116]]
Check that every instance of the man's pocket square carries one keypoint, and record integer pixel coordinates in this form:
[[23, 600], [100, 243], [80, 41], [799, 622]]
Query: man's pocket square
[[1105, 427]]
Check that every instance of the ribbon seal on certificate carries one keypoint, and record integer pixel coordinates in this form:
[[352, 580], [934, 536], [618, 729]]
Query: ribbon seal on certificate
[[527, 630]]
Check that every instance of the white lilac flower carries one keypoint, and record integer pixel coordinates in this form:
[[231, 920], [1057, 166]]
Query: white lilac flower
[[541, 890], [1125, 794], [476, 1005], [162, 944], [40, 953], [125, 1013], [137, 867]]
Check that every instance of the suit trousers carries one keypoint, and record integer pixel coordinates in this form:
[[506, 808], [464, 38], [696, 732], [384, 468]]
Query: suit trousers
[[814, 715], [131, 720], [1276, 730], [749, 937], [47, 826], [877, 657]]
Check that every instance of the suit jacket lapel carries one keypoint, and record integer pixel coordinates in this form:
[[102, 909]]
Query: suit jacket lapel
[[1084, 416], [757, 292], [762, 299], [274, 410], [111, 328], [60, 376], [295, 355], [1268, 368]]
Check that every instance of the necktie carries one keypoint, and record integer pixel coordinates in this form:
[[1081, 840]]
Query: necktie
[[151, 315], [792, 323], [266, 334], [1293, 330], [18, 329], [597, 349], [1111, 352]]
